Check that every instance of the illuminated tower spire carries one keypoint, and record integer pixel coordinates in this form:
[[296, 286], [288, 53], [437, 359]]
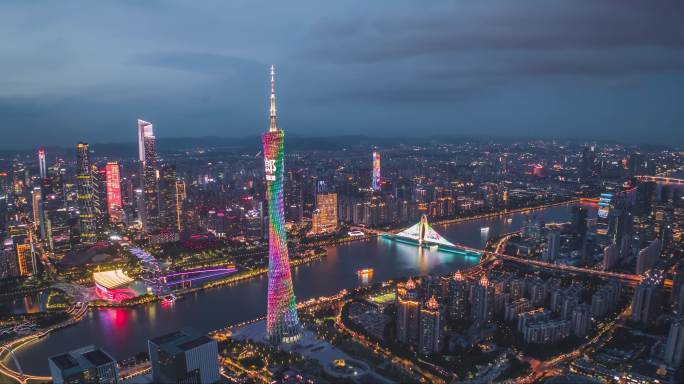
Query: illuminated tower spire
[[273, 126], [282, 322]]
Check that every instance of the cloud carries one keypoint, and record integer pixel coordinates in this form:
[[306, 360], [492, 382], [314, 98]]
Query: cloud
[[204, 62]]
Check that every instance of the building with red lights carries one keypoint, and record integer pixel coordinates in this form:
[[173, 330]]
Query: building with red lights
[[113, 183]]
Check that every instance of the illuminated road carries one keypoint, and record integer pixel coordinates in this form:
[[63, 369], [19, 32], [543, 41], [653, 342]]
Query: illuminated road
[[661, 179]]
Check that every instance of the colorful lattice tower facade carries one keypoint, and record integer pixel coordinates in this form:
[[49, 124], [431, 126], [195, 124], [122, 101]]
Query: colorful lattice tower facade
[[376, 171], [282, 322]]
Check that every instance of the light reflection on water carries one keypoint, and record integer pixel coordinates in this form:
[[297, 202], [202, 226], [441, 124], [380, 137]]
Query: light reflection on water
[[124, 332]]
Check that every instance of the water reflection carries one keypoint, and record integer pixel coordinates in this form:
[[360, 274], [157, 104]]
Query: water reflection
[[124, 332]]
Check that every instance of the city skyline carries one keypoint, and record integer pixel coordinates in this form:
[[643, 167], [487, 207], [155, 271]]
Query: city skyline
[[576, 69], [469, 192]]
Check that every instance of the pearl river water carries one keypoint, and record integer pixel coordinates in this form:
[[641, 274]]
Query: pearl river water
[[123, 332]]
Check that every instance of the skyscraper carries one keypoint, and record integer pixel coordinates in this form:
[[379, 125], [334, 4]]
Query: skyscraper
[[408, 312], [376, 171], [282, 322], [430, 336], [113, 185], [553, 245], [41, 163], [38, 214], [168, 199], [674, 349], [87, 210], [147, 152], [145, 129]]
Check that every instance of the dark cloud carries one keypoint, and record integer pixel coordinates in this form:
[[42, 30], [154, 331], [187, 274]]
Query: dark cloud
[[74, 71]]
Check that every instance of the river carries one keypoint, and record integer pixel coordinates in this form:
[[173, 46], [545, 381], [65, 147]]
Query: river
[[124, 332]]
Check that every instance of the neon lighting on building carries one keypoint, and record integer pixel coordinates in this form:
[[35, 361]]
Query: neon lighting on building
[[282, 322], [113, 182], [113, 285], [376, 171]]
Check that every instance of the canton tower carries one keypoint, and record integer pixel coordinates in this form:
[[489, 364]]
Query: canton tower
[[282, 323]]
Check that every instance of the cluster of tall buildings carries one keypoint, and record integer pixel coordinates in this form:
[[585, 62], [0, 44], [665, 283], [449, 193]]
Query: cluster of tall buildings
[[459, 310]]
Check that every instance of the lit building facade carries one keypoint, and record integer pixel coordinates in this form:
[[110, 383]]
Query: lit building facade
[[147, 152], [87, 204], [376, 171], [431, 335], [324, 218], [282, 321], [169, 214], [113, 185]]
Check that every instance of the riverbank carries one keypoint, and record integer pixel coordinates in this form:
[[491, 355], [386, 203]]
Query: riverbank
[[123, 332]]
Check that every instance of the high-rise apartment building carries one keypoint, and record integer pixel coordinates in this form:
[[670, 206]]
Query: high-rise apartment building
[[674, 348], [408, 312], [645, 302], [553, 245], [431, 328]]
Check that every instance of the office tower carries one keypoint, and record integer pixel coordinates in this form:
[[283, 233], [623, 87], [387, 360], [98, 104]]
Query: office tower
[[430, 333], [85, 365], [553, 245], [324, 218], [145, 129], [645, 194], [457, 298], [587, 165], [610, 257], [169, 214], [294, 196], [579, 221], [648, 256], [87, 205], [113, 187], [674, 348], [375, 174], [645, 302], [581, 320], [482, 304], [408, 311], [184, 356], [41, 163], [282, 322], [147, 152], [587, 250], [38, 212]]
